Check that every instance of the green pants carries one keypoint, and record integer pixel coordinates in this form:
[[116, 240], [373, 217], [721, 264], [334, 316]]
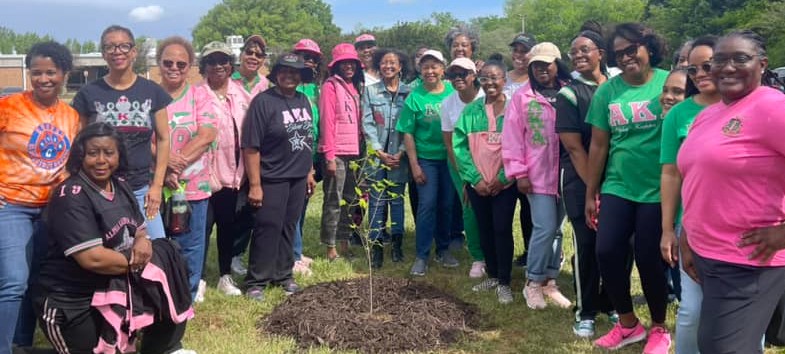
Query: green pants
[[470, 226]]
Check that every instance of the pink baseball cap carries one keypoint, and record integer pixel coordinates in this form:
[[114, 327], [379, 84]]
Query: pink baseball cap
[[344, 51], [365, 38], [308, 45]]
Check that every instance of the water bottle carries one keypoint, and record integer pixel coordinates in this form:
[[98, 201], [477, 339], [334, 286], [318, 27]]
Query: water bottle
[[180, 217]]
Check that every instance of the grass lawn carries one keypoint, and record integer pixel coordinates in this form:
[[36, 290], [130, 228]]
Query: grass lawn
[[229, 324]]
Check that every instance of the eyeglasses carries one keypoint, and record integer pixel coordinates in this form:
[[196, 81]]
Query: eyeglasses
[[258, 55], [213, 61], [582, 50], [169, 64], [692, 70], [311, 57], [123, 47], [486, 79], [630, 51], [736, 60], [459, 75]]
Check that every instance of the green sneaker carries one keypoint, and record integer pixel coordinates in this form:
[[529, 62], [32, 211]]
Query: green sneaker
[[583, 328]]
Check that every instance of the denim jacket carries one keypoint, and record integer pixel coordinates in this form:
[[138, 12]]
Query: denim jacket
[[381, 110]]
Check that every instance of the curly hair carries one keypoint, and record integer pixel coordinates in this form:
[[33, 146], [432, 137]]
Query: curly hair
[[59, 54], [462, 30], [403, 59], [95, 130], [640, 34], [175, 40]]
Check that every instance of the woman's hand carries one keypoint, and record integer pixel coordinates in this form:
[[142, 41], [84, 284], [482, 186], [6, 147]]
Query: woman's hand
[[255, 196], [769, 240], [482, 188], [524, 185], [687, 259], [152, 202], [418, 175], [591, 212], [495, 187], [669, 248], [141, 253], [177, 163], [310, 184], [172, 181], [332, 166]]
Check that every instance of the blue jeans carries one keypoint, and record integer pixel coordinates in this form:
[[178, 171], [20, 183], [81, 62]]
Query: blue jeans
[[688, 315], [544, 252], [379, 202], [21, 232], [297, 242], [155, 226], [434, 208], [192, 243]]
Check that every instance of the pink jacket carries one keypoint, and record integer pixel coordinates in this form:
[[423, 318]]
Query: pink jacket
[[340, 119], [230, 113], [530, 145]]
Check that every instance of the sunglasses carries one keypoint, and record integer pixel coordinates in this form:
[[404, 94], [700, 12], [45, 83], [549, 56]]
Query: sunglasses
[[630, 51], [122, 47], [692, 70], [180, 64], [258, 55], [213, 61], [311, 57], [459, 75]]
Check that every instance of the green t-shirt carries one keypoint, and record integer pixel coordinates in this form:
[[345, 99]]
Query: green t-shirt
[[421, 117], [674, 130], [311, 91], [632, 116]]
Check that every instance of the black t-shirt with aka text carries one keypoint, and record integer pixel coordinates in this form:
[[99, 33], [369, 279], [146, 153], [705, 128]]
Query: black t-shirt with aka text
[[281, 129], [81, 216], [132, 112]]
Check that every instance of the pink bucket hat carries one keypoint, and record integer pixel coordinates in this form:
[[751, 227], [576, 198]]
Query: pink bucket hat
[[344, 51], [365, 38], [308, 45]]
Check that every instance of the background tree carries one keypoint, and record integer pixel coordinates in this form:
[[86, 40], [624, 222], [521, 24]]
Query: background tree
[[281, 23]]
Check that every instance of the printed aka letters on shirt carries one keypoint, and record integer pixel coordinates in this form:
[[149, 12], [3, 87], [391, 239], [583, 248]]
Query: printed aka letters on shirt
[[126, 114], [640, 114], [298, 120]]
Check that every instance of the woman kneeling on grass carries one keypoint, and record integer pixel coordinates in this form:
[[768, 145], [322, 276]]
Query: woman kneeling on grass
[[477, 144], [100, 261]]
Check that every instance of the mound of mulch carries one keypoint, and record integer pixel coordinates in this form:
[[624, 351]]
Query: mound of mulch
[[408, 316]]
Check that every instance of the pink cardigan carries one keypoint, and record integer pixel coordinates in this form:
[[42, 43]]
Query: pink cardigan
[[530, 145], [339, 125]]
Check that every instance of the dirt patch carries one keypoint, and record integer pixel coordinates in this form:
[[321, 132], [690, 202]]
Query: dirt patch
[[408, 316]]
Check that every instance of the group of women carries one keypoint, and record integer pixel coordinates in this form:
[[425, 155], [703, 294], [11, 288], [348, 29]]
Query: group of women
[[82, 185]]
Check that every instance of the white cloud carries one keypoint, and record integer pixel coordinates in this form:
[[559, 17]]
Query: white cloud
[[150, 13]]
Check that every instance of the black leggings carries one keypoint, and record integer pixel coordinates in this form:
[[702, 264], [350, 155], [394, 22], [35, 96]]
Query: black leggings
[[233, 222], [525, 216], [494, 218], [620, 219]]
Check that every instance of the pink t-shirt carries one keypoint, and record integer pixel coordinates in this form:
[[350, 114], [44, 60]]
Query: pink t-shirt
[[193, 109], [733, 168]]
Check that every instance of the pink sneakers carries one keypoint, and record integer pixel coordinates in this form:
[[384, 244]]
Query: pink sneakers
[[551, 290], [620, 336], [478, 269], [659, 341], [532, 292]]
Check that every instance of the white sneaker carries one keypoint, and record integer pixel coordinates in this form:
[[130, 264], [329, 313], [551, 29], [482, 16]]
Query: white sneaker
[[302, 268], [183, 351], [551, 290], [200, 290], [238, 267], [227, 286]]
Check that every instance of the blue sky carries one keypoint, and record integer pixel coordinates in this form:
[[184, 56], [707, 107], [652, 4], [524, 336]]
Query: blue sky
[[85, 19]]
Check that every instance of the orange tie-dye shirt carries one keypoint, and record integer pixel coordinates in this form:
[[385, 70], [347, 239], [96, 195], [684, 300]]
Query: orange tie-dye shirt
[[34, 146]]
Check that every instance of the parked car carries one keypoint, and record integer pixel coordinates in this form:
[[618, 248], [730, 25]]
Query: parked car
[[780, 72], [10, 90]]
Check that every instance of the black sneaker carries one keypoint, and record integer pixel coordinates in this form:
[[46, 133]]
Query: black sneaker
[[290, 287], [255, 293]]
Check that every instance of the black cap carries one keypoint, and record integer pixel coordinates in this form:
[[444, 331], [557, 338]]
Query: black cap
[[293, 61], [526, 39]]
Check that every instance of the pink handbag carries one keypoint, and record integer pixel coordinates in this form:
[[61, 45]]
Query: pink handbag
[[486, 148]]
